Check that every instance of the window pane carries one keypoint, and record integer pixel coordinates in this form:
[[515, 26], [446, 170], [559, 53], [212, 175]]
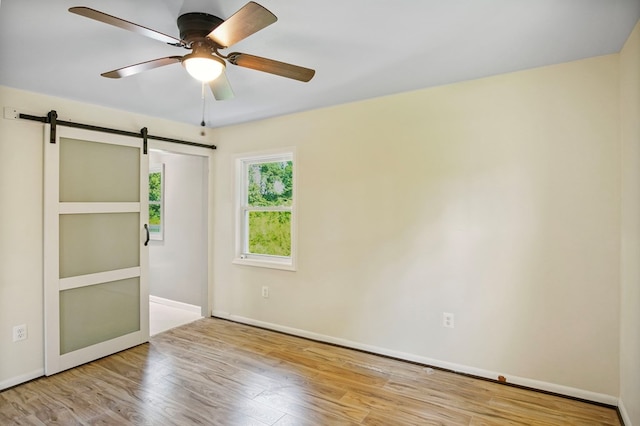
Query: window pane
[[270, 233], [270, 184], [155, 220], [155, 186]]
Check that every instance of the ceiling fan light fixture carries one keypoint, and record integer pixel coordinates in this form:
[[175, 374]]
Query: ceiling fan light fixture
[[204, 68]]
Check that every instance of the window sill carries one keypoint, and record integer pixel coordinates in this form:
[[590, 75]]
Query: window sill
[[270, 264]]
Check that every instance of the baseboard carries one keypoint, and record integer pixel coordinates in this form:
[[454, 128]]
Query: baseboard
[[221, 314], [14, 381], [175, 304], [626, 420], [462, 369]]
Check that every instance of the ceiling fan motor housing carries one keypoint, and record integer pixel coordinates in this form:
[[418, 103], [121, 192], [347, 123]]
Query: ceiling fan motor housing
[[195, 26]]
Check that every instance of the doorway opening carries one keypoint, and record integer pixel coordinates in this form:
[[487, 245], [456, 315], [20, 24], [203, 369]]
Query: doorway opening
[[178, 248]]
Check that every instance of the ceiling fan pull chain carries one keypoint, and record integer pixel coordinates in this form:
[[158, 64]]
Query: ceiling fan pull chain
[[202, 122]]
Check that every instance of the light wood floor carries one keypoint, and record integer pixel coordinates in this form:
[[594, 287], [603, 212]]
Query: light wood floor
[[216, 372]]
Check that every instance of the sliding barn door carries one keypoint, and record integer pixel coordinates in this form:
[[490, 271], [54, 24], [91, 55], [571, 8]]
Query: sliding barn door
[[95, 257]]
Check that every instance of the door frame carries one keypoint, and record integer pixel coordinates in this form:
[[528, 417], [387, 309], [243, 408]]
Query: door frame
[[207, 302]]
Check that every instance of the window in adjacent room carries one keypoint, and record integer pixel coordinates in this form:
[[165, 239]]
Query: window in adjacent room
[[156, 197], [266, 210]]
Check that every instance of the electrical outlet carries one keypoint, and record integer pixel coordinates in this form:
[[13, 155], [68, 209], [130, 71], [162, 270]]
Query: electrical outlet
[[19, 332], [265, 291], [448, 320], [11, 113]]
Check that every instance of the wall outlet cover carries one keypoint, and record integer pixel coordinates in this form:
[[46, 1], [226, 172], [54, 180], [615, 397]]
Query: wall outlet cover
[[448, 320], [19, 332]]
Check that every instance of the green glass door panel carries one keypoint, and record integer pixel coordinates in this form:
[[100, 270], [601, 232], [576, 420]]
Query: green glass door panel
[[96, 313], [91, 243], [98, 172]]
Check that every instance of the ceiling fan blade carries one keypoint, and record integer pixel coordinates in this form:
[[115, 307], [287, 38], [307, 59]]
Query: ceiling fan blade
[[269, 65], [250, 19], [221, 88], [130, 26], [143, 66]]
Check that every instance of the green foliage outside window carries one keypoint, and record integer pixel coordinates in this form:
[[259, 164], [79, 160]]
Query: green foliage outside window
[[155, 186], [155, 199], [270, 185], [154, 214], [270, 233]]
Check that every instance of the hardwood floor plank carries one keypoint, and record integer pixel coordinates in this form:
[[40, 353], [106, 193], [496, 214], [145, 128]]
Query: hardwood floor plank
[[10, 409], [405, 410], [112, 399], [364, 361], [557, 411], [25, 421], [39, 405], [225, 370], [216, 372], [75, 396], [154, 400], [474, 402], [319, 411], [386, 419], [326, 419], [208, 394], [327, 369], [297, 401]]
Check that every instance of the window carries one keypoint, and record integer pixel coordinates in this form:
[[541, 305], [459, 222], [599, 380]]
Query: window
[[156, 198], [266, 210]]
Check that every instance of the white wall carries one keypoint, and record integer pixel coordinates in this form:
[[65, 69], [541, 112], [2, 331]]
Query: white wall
[[178, 263], [497, 200], [21, 216], [630, 315]]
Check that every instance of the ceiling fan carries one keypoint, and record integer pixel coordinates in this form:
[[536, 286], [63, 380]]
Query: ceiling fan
[[205, 35]]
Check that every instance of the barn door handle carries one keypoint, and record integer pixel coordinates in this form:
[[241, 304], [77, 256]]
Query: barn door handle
[[146, 228]]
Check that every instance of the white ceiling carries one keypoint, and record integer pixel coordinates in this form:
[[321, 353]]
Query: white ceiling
[[360, 49]]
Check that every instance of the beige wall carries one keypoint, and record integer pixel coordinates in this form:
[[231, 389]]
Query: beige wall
[[21, 162], [630, 318], [497, 200]]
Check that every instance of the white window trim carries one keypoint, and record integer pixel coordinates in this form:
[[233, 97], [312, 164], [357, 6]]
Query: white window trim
[[264, 261]]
